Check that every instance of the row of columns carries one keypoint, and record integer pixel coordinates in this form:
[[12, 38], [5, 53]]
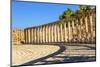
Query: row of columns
[[79, 30]]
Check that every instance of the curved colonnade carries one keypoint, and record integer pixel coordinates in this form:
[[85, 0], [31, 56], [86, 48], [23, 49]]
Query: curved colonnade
[[72, 29]]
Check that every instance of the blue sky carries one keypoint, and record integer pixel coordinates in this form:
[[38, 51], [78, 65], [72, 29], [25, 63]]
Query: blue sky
[[27, 14]]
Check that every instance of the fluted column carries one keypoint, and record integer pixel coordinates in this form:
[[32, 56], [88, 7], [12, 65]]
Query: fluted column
[[69, 32], [73, 27], [40, 34], [94, 27], [80, 35], [49, 33], [52, 33], [91, 24], [86, 28], [55, 32], [25, 36], [43, 34], [46, 34], [61, 28], [29, 35], [86, 24], [58, 33], [66, 32], [61, 32], [83, 28], [33, 35], [36, 34]]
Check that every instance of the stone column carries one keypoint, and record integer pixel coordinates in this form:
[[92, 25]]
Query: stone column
[[69, 31], [34, 35], [40, 34], [43, 35], [58, 33], [83, 30], [52, 33], [25, 36], [61, 28], [46, 33], [31, 35], [61, 32], [80, 35], [55, 32], [53, 36], [66, 32], [86, 28], [74, 30], [94, 27], [91, 26], [86, 24], [28, 35], [49, 33]]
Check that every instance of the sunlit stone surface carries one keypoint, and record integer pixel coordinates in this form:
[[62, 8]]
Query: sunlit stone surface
[[25, 53]]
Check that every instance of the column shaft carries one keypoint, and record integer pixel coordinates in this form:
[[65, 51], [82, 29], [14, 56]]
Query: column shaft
[[66, 32]]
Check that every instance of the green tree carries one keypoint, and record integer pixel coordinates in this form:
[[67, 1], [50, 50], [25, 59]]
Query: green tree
[[67, 13], [83, 9]]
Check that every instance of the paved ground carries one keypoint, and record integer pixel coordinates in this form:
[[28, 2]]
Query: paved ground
[[65, 53], [25, 53], [72, 53]]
